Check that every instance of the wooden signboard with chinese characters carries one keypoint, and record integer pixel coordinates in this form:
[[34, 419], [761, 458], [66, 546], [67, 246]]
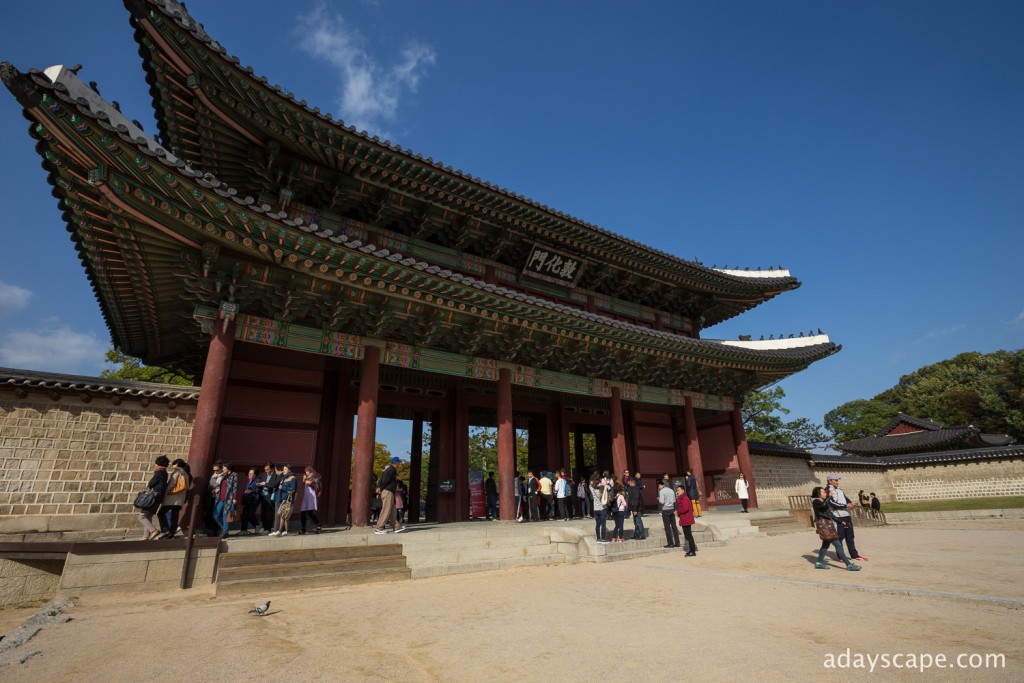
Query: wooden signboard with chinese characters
[[552, 266]]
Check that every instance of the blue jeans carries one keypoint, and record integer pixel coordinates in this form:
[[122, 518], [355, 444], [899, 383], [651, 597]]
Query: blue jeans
[[620, 519], [585, 506], [220, 515], [838, 545], [601, 524], [638, 525]]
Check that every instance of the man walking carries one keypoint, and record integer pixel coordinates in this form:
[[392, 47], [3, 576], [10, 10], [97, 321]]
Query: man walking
[[562, 495], [667, 504], [530, 489], [386, 486], [840, 506]]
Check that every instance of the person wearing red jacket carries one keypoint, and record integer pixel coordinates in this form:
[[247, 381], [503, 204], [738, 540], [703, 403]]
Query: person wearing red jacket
[[684, 508]]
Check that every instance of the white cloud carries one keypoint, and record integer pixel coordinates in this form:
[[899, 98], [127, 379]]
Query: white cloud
[[370, 92], [51, 349], [1019, 318], [12, 298]]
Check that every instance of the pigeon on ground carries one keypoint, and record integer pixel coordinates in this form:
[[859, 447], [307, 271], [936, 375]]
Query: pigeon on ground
[[261, 610]]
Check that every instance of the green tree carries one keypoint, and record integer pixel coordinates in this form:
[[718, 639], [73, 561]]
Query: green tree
[[762, 416], [857, 419], [131, 368], [984, 390]]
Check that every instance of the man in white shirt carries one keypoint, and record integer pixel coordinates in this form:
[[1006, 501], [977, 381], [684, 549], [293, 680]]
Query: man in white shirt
[[667, 503]]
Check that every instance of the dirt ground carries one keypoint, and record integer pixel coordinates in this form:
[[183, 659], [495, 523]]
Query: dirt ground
[[755, 610]]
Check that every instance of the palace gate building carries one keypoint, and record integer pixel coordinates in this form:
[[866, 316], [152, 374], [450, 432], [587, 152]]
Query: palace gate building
[[317, 278]]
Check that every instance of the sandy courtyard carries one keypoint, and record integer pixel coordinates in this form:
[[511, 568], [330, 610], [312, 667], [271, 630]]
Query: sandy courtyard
[[755, 610]]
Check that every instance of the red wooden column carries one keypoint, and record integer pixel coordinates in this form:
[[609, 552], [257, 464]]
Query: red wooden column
[[506, 447], [618, 434], [743, 454], [341, 456], [693, 450], [210, 409], [415, 469], [366, 436], [461, 441]]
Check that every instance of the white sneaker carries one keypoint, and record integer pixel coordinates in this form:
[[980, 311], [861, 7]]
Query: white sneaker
[[380, 531], [274, 533], [399, 529], [284, 533]]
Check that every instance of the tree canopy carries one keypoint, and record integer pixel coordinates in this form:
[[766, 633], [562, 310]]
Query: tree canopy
[[984, 390], [131, 368]]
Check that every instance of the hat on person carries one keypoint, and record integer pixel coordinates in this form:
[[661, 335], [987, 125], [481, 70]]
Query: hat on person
[[832, 476], [395, 459]]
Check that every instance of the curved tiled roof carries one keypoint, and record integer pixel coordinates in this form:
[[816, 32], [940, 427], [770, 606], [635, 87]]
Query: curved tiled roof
[[95, 386], [771, 281], [92, 106], [938, 457], [931, 436]]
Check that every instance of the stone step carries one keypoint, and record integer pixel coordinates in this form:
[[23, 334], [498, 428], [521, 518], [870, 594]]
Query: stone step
[[259, 588], [443, 569], [240, 559], [624, 552], [443, 554], [299, 570]]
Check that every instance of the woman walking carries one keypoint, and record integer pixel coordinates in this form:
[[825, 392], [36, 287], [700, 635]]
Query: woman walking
[[158, 485], [178, 483], [312, 483], [822, 511]]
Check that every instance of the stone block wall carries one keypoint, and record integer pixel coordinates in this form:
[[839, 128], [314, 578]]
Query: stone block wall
[[959, 480], [120, 572], [778, 478], [72, 464], [24, 581], [853, 479]]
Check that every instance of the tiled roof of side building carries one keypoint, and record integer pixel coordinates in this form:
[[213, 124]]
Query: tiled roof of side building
[[50, 381], [774, 280], [911, 442], [938, 457]]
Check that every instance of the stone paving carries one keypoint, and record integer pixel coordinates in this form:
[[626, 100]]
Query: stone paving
[[754, 610]]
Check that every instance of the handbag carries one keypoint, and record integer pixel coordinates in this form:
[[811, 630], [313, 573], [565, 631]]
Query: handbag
[[145, 500], [826, 529]]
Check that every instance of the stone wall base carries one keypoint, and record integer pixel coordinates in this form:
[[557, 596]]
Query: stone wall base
[[24, 581]]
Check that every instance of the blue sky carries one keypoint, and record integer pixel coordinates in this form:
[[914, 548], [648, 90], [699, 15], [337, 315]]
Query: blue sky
[[874, 149]]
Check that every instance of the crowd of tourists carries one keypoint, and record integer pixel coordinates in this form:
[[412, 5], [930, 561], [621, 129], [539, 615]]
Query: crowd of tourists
[[263, 503], [603, 497], [267, 500]]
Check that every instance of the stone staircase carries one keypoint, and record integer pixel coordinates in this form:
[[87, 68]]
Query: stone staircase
[[440, 551], [256, 573], [776, 523]]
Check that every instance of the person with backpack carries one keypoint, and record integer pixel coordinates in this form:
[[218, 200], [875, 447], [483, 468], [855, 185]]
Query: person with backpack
[[619, 508], [599, 494], [693, 493], [158, 485], [667, 503], [635, 501], [562, 495], [225, 497], [178, 482], [583, 495]]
